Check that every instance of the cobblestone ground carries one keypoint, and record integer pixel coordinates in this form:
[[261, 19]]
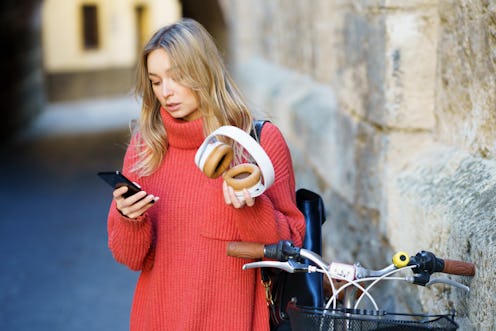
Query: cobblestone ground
[[56, 271]]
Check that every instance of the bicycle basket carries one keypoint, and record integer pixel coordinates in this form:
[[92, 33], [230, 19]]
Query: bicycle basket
[[308, 318]]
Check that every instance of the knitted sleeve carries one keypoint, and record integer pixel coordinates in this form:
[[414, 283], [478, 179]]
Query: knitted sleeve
[[130, 241], [275, 215]]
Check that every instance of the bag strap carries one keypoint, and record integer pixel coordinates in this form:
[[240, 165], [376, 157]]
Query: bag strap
[[309, 287], [256, 132]]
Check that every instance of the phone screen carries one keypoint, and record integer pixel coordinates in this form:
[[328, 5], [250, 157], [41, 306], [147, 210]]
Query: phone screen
[[116, 179]]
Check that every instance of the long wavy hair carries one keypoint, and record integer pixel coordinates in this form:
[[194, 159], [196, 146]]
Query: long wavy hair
[[199, 66]]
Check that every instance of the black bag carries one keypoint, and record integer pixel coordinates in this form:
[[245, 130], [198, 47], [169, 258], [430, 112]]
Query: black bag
[[307, 288]]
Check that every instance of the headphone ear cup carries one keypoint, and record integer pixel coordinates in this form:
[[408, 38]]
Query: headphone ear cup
[[218, 161], [243, 176]]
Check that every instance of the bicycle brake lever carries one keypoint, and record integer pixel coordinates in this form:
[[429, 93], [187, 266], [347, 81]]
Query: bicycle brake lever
[[290, 266], [448, 282]]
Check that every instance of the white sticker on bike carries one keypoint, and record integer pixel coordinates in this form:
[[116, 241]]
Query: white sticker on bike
[[342, 271]]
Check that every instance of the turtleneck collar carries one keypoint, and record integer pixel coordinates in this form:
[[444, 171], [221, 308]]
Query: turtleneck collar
[[182, 134]]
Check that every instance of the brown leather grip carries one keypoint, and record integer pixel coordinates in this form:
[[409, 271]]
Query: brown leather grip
[[245, 250], [460, 268]]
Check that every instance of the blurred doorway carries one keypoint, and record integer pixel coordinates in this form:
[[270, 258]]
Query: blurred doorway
[[210, 15], [141, 14]]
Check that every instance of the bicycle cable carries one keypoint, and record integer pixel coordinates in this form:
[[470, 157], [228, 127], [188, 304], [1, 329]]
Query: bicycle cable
[[385, 276]]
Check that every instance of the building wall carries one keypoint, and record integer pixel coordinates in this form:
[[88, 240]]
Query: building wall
[[389, 110], [73, 71]]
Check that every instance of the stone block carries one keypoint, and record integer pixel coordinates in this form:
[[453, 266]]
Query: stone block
[[466, 84], [445, 202], [410, 70]]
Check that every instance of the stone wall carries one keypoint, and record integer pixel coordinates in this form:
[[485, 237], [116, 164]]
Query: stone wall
[[88, 84], [389, 110]]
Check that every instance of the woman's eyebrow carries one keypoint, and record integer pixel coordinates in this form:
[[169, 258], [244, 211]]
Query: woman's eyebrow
[[168, 71]]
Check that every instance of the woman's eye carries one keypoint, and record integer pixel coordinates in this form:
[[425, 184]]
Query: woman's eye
[[155, 83]]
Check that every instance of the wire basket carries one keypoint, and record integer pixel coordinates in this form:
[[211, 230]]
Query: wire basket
[[308, 319]]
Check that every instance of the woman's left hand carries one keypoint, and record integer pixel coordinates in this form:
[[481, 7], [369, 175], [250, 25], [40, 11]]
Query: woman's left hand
[[231, 198]]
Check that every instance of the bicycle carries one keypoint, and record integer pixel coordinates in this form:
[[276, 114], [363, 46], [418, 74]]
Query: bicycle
[[341, 311]]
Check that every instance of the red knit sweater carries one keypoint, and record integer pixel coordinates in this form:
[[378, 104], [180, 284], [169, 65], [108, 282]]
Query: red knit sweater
[[187, 282]]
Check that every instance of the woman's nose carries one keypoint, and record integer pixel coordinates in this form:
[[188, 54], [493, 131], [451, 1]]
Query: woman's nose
[[166, 89]]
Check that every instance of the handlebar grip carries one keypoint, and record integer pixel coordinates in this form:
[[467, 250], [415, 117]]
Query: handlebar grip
[[246, 250], [460, 268]]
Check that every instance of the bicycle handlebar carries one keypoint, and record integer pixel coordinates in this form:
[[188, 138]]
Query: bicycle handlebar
[[246, 250], [422, 262], [460, 268], [285, 256], [427, 262], [281, 251]]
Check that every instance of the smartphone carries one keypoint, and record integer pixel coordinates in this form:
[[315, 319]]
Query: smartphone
[[116, 179]]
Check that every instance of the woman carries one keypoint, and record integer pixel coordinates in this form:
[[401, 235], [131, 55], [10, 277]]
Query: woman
[[176, 234]]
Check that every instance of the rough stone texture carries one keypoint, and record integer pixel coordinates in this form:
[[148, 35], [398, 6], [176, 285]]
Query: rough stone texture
[[452, 196], [466, 79], [389, 110]]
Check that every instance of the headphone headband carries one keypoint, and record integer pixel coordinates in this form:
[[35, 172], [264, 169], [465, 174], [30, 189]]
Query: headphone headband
[[249, 144]]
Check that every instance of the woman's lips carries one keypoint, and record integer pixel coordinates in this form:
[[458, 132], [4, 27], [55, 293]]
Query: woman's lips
[[172, 106]]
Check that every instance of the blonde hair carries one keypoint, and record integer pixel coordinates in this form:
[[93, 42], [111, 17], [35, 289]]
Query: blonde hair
[[193, 52]]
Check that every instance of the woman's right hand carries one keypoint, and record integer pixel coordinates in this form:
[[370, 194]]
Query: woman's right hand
[[135, 205]]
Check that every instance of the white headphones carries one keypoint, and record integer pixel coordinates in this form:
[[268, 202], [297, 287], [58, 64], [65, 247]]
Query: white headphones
[[214, 157]]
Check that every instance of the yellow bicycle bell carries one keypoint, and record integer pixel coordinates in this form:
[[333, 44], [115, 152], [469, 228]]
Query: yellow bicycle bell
[[401, 259]]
